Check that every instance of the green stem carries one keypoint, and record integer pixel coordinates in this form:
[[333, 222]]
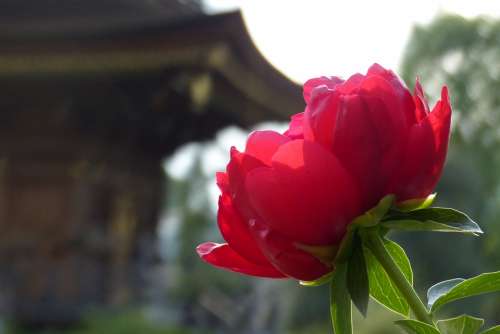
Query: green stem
[[375, 243]]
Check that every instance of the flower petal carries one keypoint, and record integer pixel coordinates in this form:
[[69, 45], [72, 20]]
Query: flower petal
[[295, 128], [263, 144], [425, 153], [363, 132], [236, 232], [237, 169], [385, 85], [320, 118], [393, 79], [285, 256], [311, 84], [223, 256], [351, 85], [422, 107], [306, 196], [222, 181], [440, 120]]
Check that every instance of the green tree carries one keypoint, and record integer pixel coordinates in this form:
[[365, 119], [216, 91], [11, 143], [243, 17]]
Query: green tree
[[465, 55]]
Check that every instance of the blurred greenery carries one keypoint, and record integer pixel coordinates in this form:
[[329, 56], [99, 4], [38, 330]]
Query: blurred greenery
[[464, 55], [124, 322]]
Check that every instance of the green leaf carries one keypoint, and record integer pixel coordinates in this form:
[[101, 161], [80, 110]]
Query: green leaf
[[340, 302], [432, 219], [399, 256], [357, 277], [441, 288], [382, 289], [484, 283], [416, 327], [463, 324], [492, 330]]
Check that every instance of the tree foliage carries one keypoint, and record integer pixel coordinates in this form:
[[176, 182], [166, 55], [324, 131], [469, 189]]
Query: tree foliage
[[465, 55]]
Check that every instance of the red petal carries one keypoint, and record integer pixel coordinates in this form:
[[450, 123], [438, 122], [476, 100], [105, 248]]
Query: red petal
[[236, 232], [311, 84], [385, 85], [285, 256], [425, 153], [389, 76], [377, 69], [422, 108], [320, 118], [237, 169], [222, 181], [363, 134], [223, 256], [307, 195], [263, 144], [352, 84], [295, 128], [440, 119]]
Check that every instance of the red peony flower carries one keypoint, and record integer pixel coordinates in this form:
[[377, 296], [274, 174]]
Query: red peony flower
[[357, 141]]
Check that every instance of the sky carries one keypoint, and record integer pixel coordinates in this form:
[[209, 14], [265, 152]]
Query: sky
[[304, 39]]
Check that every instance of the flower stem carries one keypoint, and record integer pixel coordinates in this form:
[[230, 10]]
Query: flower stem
[[376, 245]]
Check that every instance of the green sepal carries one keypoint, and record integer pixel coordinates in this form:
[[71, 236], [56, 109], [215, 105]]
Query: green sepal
[[482, 284], [463, 324], [340, 302], [320, 281], [415, 204], [357, 277], [432, 219], [416, 327], [370, 218], [345, 248], [373, 216]]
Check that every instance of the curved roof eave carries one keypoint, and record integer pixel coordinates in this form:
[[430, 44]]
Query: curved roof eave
[[217, 43]]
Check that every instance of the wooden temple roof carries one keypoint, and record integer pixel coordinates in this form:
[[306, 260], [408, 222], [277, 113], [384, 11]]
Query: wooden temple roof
[[215, 49]]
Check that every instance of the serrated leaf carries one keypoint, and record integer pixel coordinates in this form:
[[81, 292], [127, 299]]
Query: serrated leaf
[[492, 330], [357, 277], [416, 327], [463, 324], [432, 219], [382, 289], [340, 302], [441, 288], [484, 283]]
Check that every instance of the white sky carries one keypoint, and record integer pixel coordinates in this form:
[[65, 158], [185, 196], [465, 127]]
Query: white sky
[[309, 38]]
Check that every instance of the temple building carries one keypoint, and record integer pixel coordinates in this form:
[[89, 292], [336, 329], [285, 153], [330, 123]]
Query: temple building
[[93, 96]]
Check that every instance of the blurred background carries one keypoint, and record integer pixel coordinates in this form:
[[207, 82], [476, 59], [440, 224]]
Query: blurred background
[[115, 115]]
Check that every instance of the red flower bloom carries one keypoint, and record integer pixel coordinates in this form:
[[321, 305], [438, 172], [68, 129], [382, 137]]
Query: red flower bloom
[[357, 141]]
